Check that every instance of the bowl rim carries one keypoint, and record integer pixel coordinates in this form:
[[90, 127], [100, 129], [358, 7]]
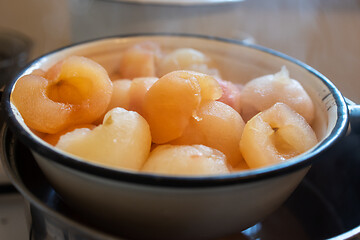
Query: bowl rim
[[95, 170]]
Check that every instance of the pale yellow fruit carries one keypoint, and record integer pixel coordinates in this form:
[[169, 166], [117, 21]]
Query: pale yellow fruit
[[169, 105], [275, 135], [186, 160], [173, 99], [231, 93], [138, 89], [210, 87], [242, 166], [80, 80], [217, 126], [74, 91], [186, 59], [261, 93], [119, 98], [121, 94], [54, 138], [139, 60], [122, 141]]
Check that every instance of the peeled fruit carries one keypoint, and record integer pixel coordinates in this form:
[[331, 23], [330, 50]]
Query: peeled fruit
[[122, 141], [78, 92], [169, 105], [120, 97], [275, 135], [81, 81], [217, 126], [53, 73], [210, 87], [174, 99], [240, 167], [54, 138], [185, 59], [38, 72], [186, 160], [174, 107], [37, 109], [121, 94], [139, 61], [137, 91], [231, 94], [261, 93]]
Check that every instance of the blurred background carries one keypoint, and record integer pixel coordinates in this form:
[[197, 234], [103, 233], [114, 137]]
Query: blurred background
[[325, 34]]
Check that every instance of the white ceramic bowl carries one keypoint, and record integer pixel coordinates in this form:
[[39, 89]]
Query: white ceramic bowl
[[140, 205]]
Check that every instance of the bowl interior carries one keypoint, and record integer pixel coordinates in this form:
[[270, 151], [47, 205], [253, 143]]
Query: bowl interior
[[238, 62]]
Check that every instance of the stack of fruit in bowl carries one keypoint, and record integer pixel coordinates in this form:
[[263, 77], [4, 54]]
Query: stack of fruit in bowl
[[166, 112]]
